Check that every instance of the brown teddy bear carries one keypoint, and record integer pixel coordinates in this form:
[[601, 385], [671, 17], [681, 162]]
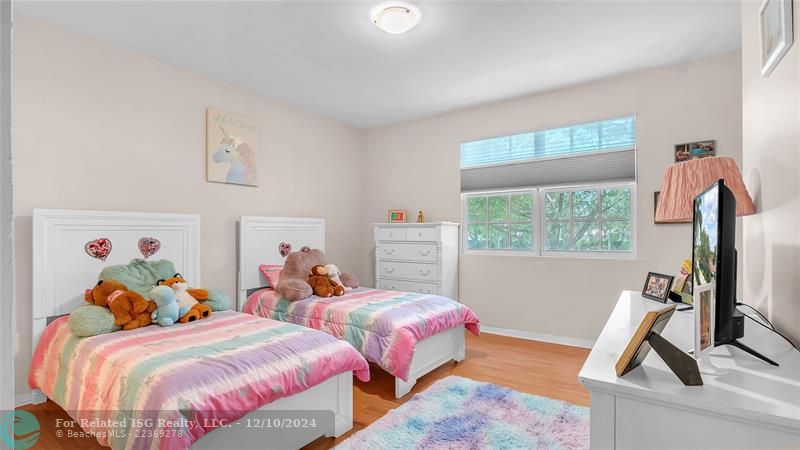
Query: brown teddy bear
[[189, 300], [130, 309], [293, 284], [321, 284]]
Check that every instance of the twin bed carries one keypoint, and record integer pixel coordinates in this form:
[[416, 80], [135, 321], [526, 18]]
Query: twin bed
[[225, 373], [406, 334]]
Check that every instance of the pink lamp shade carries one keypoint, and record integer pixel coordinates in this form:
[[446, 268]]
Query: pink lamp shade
[[684, 180]]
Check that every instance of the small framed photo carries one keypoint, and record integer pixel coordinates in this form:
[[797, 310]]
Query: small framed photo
[[695, 150], [397, 216], [775, 27], [657, 286], [704, 311]]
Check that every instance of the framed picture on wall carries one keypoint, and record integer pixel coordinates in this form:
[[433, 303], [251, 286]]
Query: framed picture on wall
[[231, 148], [775, 30], [695, 150]]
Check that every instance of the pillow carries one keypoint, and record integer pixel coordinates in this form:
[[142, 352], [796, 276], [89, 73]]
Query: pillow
[[272, 273], [218, 300], [91, 320], [140, 275]]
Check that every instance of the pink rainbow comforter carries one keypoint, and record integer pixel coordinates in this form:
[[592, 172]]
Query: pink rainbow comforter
[[217, 368], [384, 326]]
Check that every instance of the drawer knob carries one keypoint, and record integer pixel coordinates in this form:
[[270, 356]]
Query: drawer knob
[[424, 252], [389, 269], [388, 251], [424, 273], [419, 234]]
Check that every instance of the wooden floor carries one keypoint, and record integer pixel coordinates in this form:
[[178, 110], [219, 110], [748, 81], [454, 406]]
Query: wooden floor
[[535, 367]]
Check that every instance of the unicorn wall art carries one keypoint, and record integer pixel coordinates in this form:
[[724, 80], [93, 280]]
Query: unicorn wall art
[[231, 148]]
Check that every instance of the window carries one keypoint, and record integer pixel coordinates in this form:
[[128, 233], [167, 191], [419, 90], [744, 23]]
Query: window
[[604, 135], [500, 221], [579, 198], [593, 220], [596, 219]]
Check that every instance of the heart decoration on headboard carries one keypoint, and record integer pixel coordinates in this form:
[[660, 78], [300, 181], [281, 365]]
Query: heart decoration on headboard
[[98, 248], [284, 249], [149, 246]]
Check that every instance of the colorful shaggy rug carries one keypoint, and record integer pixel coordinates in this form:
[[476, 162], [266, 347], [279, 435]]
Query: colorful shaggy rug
[[458, 413]]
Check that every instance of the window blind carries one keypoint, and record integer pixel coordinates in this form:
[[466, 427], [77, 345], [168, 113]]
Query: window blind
[[597, 151]]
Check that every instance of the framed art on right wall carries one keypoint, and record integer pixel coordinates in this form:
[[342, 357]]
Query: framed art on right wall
[[775, 29]]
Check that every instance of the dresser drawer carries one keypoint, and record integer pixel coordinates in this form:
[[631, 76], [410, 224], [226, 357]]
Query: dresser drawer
[[391, 234], [411, 271], [409, 286], [422, 234], [408, 252]]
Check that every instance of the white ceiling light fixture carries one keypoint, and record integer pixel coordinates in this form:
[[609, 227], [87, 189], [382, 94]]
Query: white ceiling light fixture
[[395, 17]]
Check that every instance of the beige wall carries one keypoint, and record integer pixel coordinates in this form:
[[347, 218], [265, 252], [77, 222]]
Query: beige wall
[[97, 127], [414, 166], [771, 156]]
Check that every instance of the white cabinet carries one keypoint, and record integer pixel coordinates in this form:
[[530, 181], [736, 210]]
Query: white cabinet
[[753, 406], [417, 257]]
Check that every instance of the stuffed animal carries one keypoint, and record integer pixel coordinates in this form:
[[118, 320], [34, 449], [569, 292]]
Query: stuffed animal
[[130, 309], [189, 300], [167, 312], [335, 275], [293, 284], [321, 284]]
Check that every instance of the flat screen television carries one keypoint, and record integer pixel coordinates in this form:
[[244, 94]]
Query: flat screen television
[[714, 261]]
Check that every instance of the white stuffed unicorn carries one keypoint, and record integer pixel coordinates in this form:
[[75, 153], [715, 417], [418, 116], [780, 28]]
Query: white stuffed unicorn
[[334, 274]]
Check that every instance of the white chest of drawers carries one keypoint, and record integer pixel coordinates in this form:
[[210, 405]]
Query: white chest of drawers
[[417, 257]]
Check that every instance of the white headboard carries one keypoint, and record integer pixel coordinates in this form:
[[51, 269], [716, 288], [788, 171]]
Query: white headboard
[[260, 240], [62, 270]]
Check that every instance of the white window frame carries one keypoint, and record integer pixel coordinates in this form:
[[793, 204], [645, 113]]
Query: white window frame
[[487, 251], [602, 254], [539, 223]]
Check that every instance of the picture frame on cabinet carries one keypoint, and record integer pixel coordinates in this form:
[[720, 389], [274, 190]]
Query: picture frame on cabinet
[[657, 286], [397, 216]]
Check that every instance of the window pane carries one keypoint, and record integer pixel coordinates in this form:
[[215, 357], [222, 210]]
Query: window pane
[[498, 209], [586, 236], [584, 204], [618, 132], [557, 207], [617, 203], [522, 237], [586, 137], [476, 209], [498, 235], [522, 208], [617, 235], [557, 236], [476, 236], [556, 142]]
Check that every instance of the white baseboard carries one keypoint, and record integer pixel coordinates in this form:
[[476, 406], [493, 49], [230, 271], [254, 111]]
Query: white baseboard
[[23, 399], [563, 340]]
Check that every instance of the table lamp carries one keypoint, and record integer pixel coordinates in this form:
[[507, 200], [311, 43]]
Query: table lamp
[[684, 180]]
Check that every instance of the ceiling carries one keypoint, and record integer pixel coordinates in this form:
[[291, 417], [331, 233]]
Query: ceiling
[[327, 56]]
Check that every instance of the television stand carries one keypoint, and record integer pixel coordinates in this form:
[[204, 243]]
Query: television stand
[[744, 347], [753, 406]]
